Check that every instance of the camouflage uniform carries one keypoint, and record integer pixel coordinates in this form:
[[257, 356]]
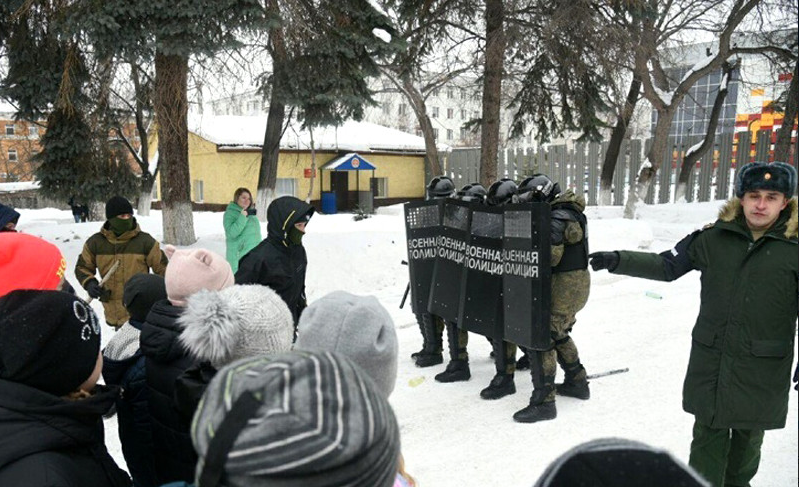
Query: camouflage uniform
[[571, 284]]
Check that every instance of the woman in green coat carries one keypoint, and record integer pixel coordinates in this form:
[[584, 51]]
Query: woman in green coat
[[242, 228], [739, 370]]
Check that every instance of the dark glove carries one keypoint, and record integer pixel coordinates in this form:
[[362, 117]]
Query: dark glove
[[604, 260], [796, 378], [98, 292], [251, 211]]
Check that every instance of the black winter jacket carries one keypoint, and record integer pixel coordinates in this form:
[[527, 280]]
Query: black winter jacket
[[133, 416], [276, 262], [48, 441], [165, 360]]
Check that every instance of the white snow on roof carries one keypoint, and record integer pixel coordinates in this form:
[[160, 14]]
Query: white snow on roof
[[233, 131], [19, 186]]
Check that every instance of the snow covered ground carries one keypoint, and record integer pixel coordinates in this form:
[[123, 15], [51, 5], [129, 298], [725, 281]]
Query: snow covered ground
[[451, 437]]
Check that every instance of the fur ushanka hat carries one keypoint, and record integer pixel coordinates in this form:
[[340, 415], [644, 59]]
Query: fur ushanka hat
[[776, 176]]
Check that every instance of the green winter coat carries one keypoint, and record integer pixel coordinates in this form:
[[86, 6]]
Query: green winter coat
[[242, 234], [739, 371]]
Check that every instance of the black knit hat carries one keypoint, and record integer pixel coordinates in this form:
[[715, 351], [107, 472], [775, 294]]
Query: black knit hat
[[116, 206], [295, 419], [49, 340], [776, 176], [140, 294]]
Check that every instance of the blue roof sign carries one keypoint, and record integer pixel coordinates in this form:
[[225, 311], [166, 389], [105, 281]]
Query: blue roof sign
[[349, 162]]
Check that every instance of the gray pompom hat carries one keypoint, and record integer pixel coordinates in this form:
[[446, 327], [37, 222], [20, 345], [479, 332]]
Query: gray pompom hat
[[236, 322]]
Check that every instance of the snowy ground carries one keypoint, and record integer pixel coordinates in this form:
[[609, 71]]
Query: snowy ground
[[451, 437]]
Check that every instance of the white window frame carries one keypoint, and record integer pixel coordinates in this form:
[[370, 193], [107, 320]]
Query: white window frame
[[13, 156], [382, 187], [199, 191], [11, 129], [283, 185]]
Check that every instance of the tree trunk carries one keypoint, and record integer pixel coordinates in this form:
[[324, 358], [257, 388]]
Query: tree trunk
[[652, 163], [695, 153], [171, 107], [313, 167], [782, 148], [270, 153], [616, 138], [492, 90], [145, 195], [419, 108], [96, 211]]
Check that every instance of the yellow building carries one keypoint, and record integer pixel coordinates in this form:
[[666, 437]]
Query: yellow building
[[225, 153]]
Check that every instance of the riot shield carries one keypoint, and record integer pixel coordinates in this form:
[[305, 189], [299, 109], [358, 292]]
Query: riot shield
[[527, 275], [448, 269], [480, 309], [422, 228]]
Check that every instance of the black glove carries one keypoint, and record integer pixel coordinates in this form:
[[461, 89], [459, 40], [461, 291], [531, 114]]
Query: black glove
[[604, 260], [98, 292], [251, 211], [796, 378]]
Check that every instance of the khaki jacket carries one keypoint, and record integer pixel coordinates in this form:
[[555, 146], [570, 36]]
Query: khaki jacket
[[136, 251]]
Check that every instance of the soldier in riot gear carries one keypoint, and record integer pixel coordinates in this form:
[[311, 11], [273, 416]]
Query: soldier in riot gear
[[571, 283], [457, 338], [431, 326], [500, 193]]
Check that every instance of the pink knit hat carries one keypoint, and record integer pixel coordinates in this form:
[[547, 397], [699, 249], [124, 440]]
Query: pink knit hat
[[191, 270]]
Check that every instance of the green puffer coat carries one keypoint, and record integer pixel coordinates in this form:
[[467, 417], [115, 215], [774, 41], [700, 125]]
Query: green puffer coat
[[242, 234], [739, 371]]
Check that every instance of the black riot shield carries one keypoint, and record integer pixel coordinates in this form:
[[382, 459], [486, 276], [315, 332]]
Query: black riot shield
[[480, 309], [445, 292], [527, 275], [422, 228]]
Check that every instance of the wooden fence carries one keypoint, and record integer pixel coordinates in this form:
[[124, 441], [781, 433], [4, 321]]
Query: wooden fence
[[579, 166]]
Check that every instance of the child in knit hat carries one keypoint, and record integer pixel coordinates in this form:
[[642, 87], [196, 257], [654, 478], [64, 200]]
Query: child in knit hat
[[358, 327], [296, 419], [29, 262], [50, 406], [220, 327], [189, 271], [8, 219], [123, 365]]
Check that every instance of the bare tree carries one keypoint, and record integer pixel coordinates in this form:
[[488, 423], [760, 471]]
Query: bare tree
[[660, 23], [782, 148]]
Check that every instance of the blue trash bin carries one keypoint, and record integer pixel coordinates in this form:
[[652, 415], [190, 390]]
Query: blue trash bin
[[328, 203]]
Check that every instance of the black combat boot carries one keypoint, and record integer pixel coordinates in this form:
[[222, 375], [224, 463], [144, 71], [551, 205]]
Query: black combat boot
[[541, 407], [432, 343], [501, 385], [574, 388], [427, 359], [456, 371], [536, 412]]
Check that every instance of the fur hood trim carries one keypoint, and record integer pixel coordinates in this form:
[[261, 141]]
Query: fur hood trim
[[732, 209]]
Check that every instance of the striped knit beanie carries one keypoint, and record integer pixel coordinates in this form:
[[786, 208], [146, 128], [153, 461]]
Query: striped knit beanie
[[295, 419]]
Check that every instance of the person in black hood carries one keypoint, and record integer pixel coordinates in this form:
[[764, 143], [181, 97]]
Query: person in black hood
[[279, 261], [8, 219], [51, 408]]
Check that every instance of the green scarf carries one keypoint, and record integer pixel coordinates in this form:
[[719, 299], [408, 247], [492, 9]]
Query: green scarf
[[120, 226], [295, 236]]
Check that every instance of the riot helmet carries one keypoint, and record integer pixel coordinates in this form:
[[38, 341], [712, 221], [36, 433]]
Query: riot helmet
[[501, 192], [539, 188], [440, 187], [472, 192]]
